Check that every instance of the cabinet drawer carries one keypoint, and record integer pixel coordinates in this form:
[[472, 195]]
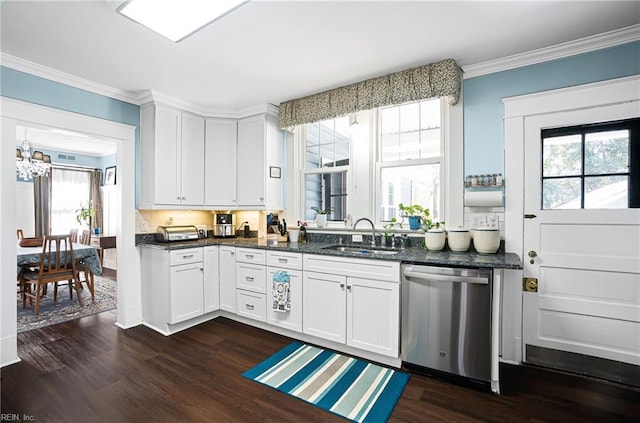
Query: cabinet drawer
[[284, 259], [251, 277], [247, 255], [186, 256], [252, 305]]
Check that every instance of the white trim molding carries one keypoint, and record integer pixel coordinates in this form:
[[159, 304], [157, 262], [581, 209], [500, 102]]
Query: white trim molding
[[559, 51]]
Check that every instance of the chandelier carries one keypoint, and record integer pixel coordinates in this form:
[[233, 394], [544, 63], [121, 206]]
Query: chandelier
[[29, 165]]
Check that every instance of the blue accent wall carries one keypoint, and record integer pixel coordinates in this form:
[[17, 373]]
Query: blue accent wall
[[34, 89], [484, 110]]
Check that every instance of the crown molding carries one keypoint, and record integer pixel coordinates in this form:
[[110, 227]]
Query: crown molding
[[66, 78], [571, 48]]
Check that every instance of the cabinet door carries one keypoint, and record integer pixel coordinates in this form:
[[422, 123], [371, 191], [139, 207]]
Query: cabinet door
[[228, 279], [186, 292], [211, 279], [324, 306], [192, 160], [167, 157], [220, 162], [251, 166], [373, 315], [291, 319]]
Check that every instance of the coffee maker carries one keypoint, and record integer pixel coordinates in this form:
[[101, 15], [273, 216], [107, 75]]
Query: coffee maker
[[223, 225]]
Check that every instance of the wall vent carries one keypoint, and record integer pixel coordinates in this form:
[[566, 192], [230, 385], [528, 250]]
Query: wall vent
[[66, 157]]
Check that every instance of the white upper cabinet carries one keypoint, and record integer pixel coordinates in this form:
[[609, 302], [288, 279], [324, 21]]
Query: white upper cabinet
[[171, 158], [220, 162], [259, 164]]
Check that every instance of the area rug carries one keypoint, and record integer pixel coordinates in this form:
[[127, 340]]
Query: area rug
[[65, 309], [351, 388]]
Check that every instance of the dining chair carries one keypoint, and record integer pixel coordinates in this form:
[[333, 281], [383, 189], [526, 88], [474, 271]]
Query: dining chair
[[85, 238], [57, 263], [73, 233]]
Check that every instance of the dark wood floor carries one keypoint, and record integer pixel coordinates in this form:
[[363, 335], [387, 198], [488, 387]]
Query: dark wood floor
[[88, 370]]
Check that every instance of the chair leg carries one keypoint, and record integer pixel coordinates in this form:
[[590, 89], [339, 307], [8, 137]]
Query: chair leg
[[92, 287], [70, 290], [77, 284], [36, 309]]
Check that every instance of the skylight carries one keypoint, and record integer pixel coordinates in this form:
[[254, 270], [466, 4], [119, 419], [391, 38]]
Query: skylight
[[177, 19]]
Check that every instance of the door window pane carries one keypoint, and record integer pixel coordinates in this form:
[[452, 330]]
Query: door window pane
[[562, 156], [562, 193], [606, 152], [606, 192]]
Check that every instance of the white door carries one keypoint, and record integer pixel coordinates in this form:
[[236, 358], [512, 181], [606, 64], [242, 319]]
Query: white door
[[211, 279], [192, 160], [228, 278], [167, 156], [291, 319], [373, 315], [324, 307], [186, 286], [251, 168], [586, 257], [220, 158]]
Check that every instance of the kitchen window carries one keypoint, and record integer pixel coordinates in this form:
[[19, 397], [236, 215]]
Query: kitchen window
[[409, 158], [327, 152], [591, 166], [70, 189], [365, 164]]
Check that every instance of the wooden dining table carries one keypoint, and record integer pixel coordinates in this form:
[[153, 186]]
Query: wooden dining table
[[87, 253]]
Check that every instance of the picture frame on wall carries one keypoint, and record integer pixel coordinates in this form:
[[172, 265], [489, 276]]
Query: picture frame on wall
[[110, 176]]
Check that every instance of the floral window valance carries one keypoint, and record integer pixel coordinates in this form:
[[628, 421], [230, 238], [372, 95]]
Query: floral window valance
[[442, 79]]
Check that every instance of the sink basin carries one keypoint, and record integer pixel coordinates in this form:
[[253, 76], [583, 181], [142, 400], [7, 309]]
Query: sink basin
[[361, 250]]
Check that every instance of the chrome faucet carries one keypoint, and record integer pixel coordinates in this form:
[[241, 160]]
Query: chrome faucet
[[373, 229]]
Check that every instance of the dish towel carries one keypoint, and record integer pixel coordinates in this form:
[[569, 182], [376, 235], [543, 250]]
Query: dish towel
[[281, 291]]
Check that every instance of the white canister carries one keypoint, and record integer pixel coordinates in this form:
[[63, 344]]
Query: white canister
[[459, 239], [486, 239], [434, 239], [294, 234]]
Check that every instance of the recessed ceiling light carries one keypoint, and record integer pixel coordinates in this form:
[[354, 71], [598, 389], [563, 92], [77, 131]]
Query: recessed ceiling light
[[177, 19]]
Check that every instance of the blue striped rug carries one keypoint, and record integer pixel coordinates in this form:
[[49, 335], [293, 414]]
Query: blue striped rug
[[351, 388]]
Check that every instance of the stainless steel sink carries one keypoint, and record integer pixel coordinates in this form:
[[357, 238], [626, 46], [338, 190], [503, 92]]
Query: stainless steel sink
[[361, 250]]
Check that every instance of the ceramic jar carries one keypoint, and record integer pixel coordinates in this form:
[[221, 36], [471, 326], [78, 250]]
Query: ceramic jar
[[486, 239], [459, 239], [435, 239]]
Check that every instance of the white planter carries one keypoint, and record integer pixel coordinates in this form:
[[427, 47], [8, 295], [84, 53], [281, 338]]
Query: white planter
[[321, 220], [435, 240]]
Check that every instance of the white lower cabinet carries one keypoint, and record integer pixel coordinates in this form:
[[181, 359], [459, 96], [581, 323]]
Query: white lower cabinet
[[211, 278], [227, 275], [373, 310], [324, 309], [172, 286], [357, 304], [278, 261]]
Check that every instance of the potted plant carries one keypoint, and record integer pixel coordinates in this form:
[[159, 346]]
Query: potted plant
[[415, 213], [84, 214], [434, 235], [321, 215]]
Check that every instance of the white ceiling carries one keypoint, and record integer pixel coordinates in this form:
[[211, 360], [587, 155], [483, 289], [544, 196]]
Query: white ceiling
[[273, 51]]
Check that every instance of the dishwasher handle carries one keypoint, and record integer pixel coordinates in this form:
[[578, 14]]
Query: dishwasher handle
[[444, 278]]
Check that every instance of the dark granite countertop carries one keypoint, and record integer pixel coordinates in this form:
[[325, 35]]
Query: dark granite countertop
[[415, 255]]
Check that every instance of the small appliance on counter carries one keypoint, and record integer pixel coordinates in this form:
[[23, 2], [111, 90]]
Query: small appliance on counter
[[223, 225], [176, 233]]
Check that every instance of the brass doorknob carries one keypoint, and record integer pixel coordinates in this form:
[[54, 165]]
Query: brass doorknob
[[533, 254]]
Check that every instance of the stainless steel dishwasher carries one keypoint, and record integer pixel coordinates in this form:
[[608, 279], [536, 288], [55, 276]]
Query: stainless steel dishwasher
[[446, 322]]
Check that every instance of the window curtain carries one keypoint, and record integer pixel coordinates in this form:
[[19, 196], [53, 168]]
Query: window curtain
[[42, 203], [96, 198], [441, 79]]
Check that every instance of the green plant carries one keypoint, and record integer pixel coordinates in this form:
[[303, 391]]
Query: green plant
[[413, 210], [84, 214], [387, 227], [429, 224], [321, 211]]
